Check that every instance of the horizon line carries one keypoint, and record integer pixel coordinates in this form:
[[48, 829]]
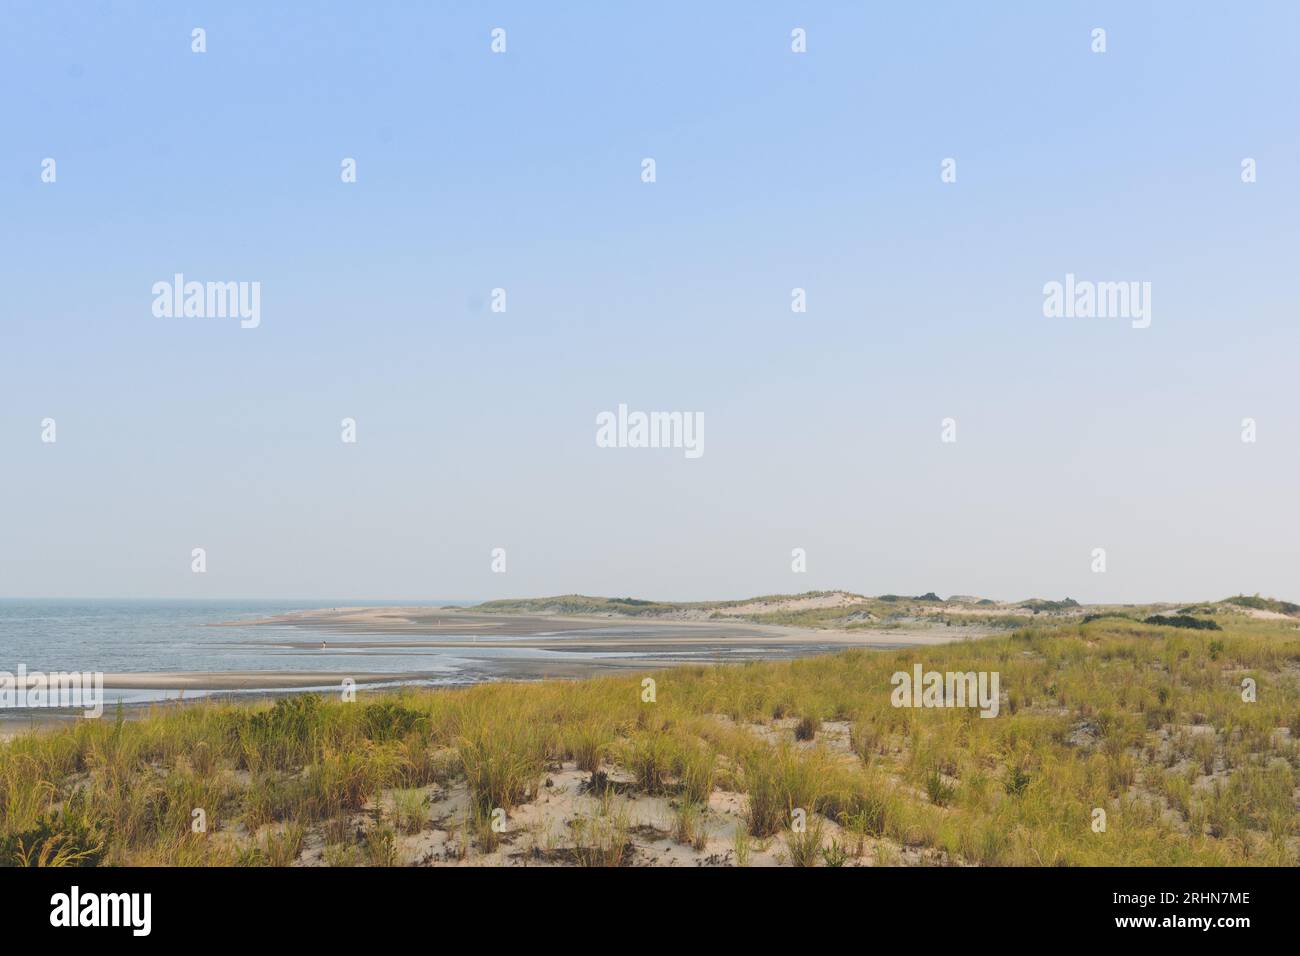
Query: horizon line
[[466, 601]]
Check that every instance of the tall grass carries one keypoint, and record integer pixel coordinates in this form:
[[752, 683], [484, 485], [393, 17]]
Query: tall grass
[[1146, 722]]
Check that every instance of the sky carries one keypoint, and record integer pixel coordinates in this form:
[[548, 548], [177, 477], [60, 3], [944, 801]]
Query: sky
[[773, 170]]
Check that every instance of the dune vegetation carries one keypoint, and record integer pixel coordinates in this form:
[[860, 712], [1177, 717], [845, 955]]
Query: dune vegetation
[[804, 762]]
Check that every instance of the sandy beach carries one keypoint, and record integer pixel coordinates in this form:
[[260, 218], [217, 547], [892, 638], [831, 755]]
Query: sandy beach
[[460, 627], [545, 646], [440, 646]]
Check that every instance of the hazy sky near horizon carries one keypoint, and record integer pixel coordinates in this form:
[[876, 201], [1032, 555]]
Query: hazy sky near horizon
[[774, 170]]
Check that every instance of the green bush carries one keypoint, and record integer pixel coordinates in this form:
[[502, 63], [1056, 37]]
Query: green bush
[[389, 720], [1182, 620], [67, 837]]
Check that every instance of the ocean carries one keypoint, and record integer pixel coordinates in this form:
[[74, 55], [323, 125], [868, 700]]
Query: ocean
[[175, 635], [163, 637], [133, 636]]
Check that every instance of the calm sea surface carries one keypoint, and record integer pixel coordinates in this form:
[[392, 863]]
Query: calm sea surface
[[131, 636], [127, 635]]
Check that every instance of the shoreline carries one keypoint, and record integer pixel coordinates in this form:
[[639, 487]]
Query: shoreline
[[486, 648], [541, 628]]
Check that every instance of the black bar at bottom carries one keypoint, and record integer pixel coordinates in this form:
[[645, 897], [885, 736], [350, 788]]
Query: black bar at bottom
[[921, 905]]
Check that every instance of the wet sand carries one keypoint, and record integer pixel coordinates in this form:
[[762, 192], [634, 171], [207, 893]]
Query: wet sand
[[553, 631], [251, 680], [595, 643], [488, 647]]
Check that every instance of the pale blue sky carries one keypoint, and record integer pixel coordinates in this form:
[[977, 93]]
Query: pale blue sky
[[775, 170]]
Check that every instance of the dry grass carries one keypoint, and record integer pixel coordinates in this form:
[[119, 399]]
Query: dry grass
[[1147, 723]]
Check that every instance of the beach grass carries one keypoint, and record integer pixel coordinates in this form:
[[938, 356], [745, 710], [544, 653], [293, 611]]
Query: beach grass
[[1146, 725]]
